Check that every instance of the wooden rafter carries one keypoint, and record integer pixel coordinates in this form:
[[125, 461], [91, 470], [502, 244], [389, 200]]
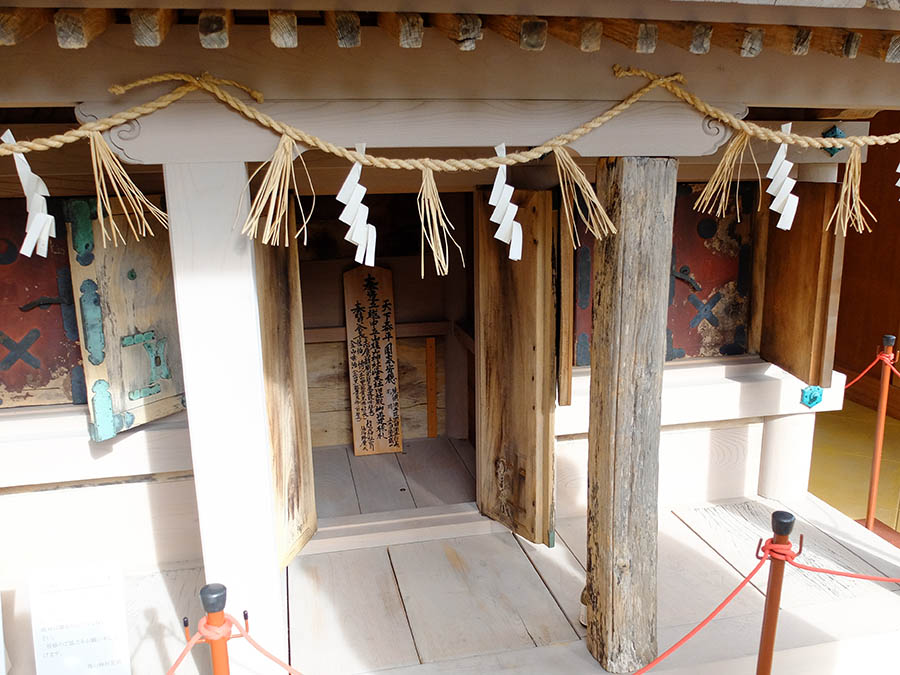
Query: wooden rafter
[[639, 36], [150, 26], [583, 34], [529, 32], [283, 28], [345, 26], [463, 29], [407, 28], [694, 37], [214, 27], [75, 28], [18, 23]]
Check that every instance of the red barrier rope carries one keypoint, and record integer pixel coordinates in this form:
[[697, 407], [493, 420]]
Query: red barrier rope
[[207, 632], [770, 550], [884, 357]]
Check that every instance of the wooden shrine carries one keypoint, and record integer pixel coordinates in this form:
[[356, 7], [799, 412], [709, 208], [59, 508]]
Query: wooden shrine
[[279, 416]]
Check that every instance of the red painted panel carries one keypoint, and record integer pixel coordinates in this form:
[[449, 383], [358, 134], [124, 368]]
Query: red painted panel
[[39, 352]]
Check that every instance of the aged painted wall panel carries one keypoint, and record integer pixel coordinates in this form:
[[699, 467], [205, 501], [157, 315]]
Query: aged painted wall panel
[[40, 362], [125, 303]]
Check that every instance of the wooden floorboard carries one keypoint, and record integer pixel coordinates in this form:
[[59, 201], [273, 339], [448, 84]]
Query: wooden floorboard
[[879, 553], [733, 530], [335, 494], [563, 576], [466, 452], [380, 483], [475, 595], [346, 615], [691, 579], [435, 472]]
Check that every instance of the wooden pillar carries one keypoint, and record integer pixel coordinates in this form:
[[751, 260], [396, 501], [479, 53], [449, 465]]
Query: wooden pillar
[[221, 348], [631, 282]]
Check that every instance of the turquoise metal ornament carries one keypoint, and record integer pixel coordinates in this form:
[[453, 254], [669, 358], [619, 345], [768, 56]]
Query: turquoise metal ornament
[[811, 396]]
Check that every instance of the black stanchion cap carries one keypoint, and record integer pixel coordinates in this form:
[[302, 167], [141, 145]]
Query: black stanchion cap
[[213, 597], [782, 522], [888, 340]]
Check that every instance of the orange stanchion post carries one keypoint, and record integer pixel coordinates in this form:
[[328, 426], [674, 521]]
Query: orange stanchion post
[[888, 342], [782, 525], [213, 598]]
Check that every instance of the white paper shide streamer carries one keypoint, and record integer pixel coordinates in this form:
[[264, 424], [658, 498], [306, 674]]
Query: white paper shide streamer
[[782, 185], [40, 225], [509, 230], [356, 214], [898, 180]]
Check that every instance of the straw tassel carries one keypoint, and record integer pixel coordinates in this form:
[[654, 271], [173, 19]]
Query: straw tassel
[[714, 198], [575, 189], [436, 226], [272, 201], [109, 173], [849, 209]]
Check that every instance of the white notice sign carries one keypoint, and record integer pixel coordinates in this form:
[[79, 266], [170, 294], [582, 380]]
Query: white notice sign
[[78, 621]]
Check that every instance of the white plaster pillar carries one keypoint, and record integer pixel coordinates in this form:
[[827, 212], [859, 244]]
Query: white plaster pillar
[[218, 326], [787, 444]]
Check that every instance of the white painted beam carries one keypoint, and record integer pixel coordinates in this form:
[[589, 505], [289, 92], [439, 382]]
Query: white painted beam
[[207, 131], [218, 325]]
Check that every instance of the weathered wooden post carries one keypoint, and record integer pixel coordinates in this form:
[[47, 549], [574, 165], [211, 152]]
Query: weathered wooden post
[[631, 281]]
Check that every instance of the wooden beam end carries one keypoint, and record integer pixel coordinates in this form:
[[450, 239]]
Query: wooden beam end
[[214, 26]]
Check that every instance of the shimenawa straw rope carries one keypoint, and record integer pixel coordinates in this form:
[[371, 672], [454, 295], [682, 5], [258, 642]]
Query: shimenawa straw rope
[[847, 212]]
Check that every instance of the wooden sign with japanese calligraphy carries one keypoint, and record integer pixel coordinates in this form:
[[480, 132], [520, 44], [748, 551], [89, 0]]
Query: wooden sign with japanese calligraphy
[[372, 360]]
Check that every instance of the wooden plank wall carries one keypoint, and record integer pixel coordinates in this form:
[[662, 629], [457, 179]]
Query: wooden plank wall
[[287, 399], [515, 352], [871, 275], [803, 275], [329, 390]]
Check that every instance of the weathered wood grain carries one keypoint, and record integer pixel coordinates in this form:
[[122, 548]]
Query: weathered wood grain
[[214, 27], [75, 28], [631, 282], [407, 28], [734, 529], [18, 23], [529, 32], [566, 304], [127, 292], [585, 35], [516, 369], [287, 396], [802, 289], [329, 390], [839, 42], [463, 29], [639, 36], [150, 26], [283, 28], [345, 26], [746, 41]]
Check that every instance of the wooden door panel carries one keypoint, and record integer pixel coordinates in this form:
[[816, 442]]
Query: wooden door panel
[[287, 395], [125, 304], [799, 302], [515, 344]]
